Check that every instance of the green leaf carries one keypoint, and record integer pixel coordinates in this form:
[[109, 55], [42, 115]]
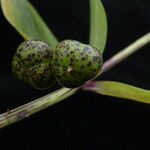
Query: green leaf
[[22, 16], [98, 25], [120, 90]]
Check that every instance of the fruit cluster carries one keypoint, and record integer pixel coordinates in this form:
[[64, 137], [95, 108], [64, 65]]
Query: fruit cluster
[[71, 64]]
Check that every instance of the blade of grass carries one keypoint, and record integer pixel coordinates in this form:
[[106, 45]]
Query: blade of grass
[[120, 90], [26, 20], [98, 25], [37, 105]]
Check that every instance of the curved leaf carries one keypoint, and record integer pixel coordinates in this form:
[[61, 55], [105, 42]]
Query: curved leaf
[[98, 25], [22, 16], [120, 90]]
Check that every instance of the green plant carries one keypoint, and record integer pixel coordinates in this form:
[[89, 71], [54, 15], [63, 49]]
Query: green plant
[[98, 33]]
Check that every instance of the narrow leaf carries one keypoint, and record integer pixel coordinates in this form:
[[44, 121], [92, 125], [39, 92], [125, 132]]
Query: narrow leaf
[[98, 25], [22, 16], [120, 90]]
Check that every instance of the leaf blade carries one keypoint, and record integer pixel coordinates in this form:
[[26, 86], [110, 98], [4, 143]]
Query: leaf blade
[[98, 25], [26, 20], [120, 90]]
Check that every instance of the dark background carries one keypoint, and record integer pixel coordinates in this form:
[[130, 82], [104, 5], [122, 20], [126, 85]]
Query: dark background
[[85, 119]]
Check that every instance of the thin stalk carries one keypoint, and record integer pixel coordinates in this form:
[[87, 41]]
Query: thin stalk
[[14, 115], [39, 104], [123, 54]]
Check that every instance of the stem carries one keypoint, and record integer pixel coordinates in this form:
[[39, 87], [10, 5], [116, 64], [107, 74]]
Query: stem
[[123, 54], [39, 104]]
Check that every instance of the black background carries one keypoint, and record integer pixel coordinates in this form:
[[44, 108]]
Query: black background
[[85, 119]]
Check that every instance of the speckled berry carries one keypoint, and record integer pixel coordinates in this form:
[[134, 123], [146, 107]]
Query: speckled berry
[[75, 63], [32, 64]]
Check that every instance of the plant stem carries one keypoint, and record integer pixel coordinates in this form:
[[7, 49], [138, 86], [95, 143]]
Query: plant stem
[[39, 104], [123, 54]]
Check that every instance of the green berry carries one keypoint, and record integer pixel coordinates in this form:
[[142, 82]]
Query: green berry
[[75, 63], [32, 64]]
